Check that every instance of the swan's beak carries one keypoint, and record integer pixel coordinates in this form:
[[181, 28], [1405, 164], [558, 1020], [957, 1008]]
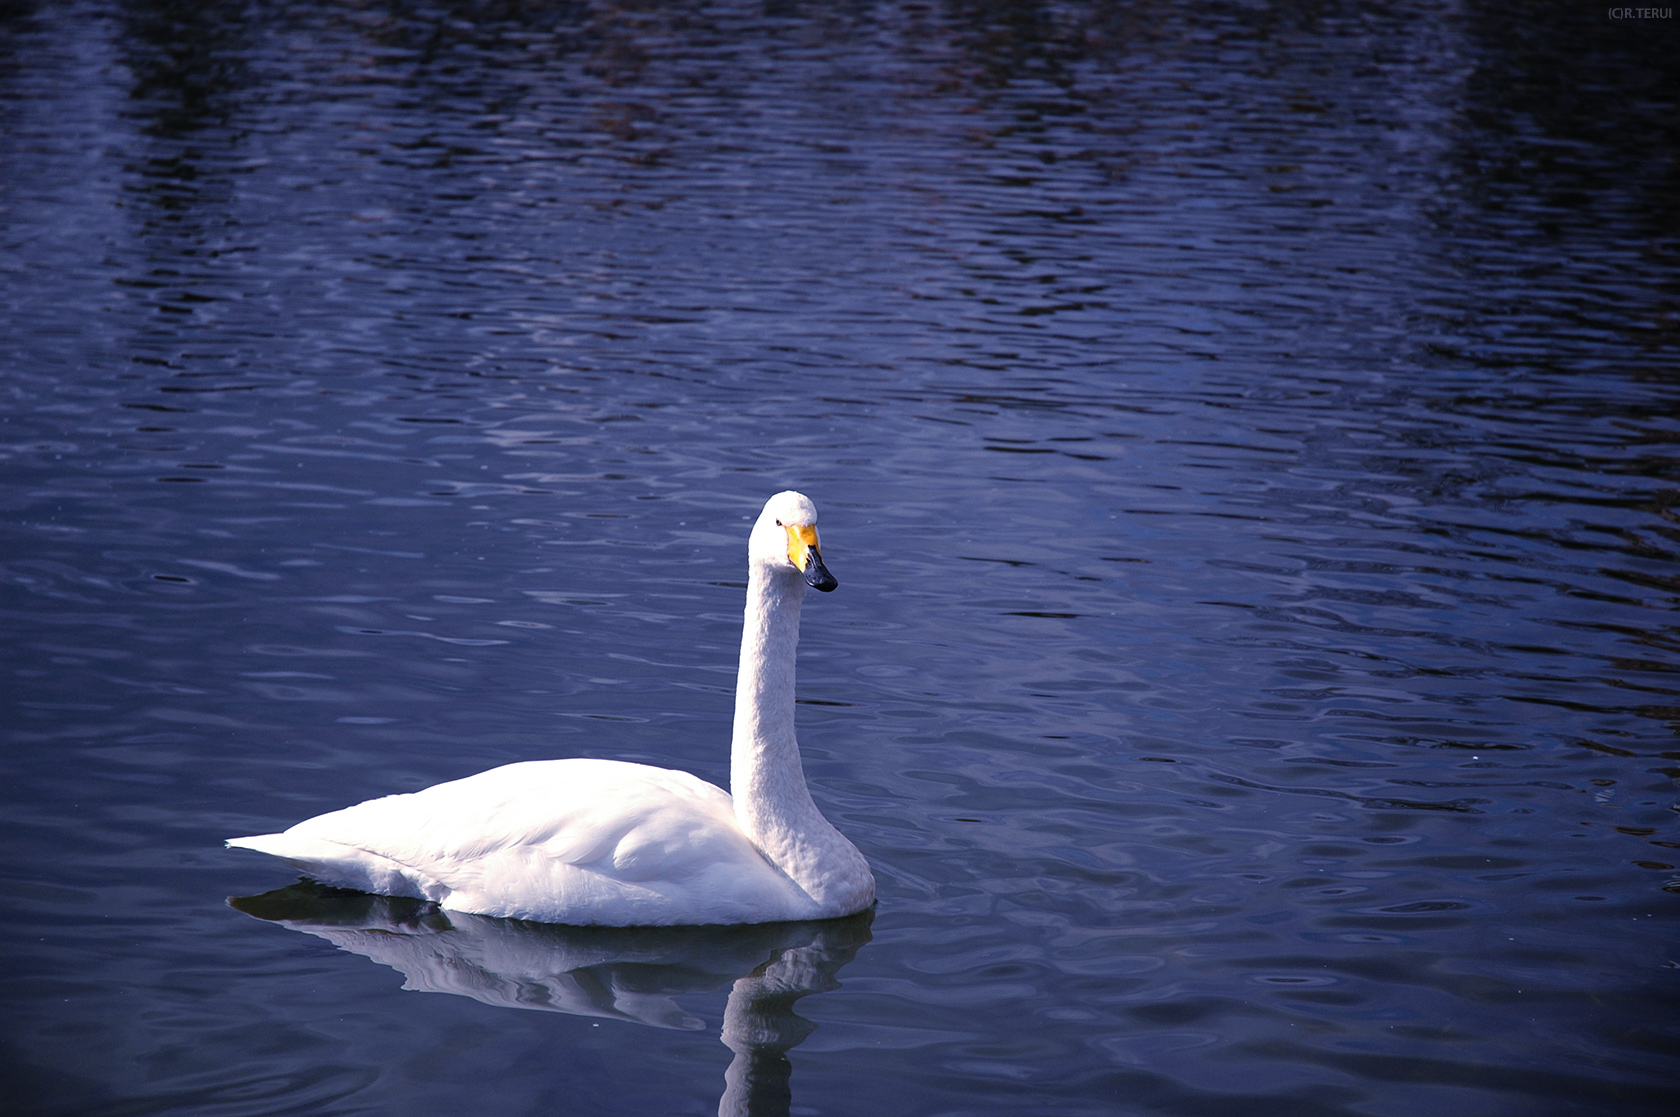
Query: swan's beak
[[807, 559]]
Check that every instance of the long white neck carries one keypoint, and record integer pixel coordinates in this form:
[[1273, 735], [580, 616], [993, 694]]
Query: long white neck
[[766, 778], [765, 774]]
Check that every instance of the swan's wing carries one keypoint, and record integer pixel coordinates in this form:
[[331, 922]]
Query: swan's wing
[[577, 841], [577, 811]]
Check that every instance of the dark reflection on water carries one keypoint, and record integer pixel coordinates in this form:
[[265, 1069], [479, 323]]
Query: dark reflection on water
[[1245, 435]]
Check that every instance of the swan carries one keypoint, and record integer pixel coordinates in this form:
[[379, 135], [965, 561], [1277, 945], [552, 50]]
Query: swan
[[609, 843]]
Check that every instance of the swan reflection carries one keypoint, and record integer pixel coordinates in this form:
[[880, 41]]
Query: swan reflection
[[622, 973]]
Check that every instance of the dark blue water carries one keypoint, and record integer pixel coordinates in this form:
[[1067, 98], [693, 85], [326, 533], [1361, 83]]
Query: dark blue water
[[1245, 435]]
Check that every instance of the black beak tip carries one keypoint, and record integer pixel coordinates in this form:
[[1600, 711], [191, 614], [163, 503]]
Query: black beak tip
[[818, 578]]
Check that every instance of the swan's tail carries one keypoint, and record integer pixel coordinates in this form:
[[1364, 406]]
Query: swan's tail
[[343, 866], [276, 845], [327, 862]]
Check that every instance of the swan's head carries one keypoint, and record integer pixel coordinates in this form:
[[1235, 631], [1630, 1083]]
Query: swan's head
[[785, 537]]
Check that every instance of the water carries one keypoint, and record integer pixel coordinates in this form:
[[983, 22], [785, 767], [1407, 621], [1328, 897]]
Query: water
[[1245, 439]]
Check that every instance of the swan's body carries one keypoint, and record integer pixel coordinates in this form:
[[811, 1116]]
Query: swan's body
[[616, 844]]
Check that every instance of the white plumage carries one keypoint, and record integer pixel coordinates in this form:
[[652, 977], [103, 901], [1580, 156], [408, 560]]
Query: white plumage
[[616, 844]]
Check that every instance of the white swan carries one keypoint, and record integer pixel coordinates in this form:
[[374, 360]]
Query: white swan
[[623, 845]]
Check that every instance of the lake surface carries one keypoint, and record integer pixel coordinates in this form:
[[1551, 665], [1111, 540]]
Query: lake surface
[[1246, 440]]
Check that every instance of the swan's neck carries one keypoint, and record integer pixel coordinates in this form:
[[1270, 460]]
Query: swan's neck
[[765, 754], [772, 803]]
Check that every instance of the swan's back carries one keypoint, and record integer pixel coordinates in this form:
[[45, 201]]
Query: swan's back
[[572, 841]]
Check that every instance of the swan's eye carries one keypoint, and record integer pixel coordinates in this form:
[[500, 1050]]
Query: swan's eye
[[778, 523]]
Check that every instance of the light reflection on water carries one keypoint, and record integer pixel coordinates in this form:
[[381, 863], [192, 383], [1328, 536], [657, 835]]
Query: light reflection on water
[[1244, 438], [616, 973]]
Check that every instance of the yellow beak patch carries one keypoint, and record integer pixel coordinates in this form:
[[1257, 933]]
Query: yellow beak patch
[[802, 544]]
